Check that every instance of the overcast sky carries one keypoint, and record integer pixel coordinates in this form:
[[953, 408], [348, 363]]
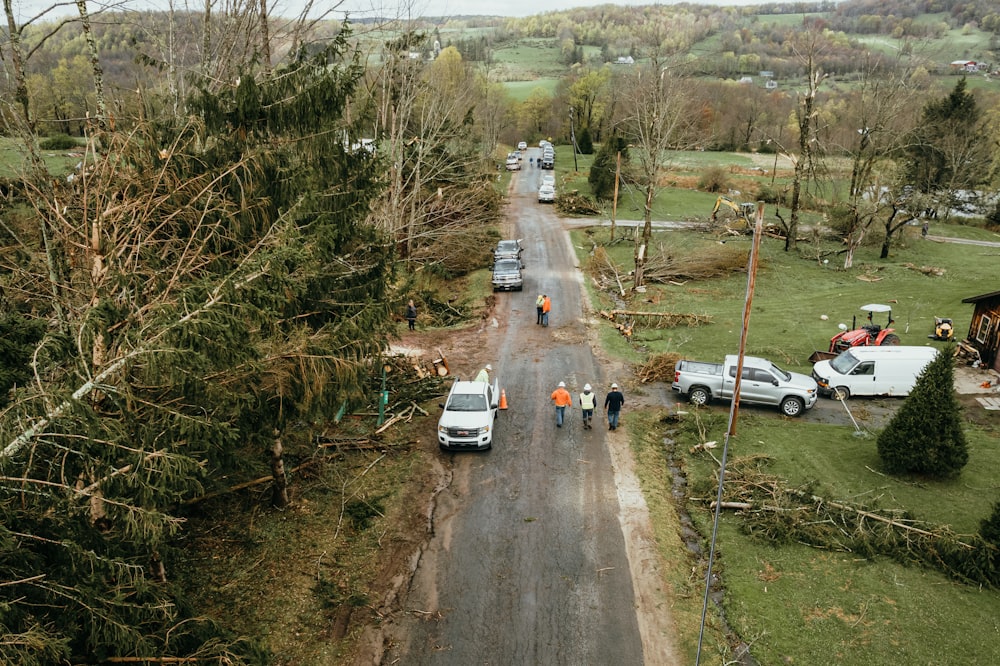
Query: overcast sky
[[25, 9]]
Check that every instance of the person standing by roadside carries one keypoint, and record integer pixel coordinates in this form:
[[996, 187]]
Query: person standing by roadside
[[411, 315], [546, 306], [539, 305], [484, 374], [588, 401], [562, 400], [613, 404]]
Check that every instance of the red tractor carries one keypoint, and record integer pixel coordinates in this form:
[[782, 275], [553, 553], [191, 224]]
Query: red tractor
[[859, 336]]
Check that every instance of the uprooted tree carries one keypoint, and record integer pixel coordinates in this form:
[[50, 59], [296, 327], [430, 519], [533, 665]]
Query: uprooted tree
[[925, 436], [208, 283]]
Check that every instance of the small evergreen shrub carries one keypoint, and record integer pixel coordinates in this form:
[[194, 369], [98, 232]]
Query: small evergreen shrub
[[925, 436], [989, 528], [585, 143], [58, 142]]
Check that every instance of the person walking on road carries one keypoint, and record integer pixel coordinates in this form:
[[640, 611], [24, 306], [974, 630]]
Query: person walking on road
[[546, 306], [588, 401], [539, 305], [613, 404], [484, 374], [562, 400], [411, 315]]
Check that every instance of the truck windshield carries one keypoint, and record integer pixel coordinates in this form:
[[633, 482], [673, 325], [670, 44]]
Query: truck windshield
[[844, 362], [467, 403]]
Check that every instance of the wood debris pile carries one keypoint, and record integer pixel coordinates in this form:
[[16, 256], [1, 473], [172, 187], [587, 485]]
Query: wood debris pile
[[573, 203], [665, 266], [658, 319], [926, 270], [770, 510], [658, 368]]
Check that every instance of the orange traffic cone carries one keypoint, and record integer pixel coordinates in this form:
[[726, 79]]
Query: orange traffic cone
[[503, 399]]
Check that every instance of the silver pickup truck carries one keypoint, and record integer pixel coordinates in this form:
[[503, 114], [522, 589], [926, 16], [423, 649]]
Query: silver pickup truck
[[762, 383], [507, 275]]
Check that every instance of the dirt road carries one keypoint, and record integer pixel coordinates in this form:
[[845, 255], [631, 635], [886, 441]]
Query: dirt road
[[541, 550]]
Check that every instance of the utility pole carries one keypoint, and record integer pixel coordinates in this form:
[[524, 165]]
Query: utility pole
[[572, 137], [614, 202]]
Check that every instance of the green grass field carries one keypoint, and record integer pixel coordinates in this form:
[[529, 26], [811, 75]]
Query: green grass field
[[793, 603], [14, 160]]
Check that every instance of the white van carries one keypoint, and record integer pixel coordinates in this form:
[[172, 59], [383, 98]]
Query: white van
[[889, 370]]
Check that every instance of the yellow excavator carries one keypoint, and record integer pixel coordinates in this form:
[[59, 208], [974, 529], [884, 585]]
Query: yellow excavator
[[744, 211]]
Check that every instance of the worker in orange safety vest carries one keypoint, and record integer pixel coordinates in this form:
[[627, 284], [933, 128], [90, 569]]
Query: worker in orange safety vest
[[562, 400]]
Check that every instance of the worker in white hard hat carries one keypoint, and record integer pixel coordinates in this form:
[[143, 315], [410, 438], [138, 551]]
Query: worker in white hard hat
[[588, 401], [613, 405], [484, 374], [562, 400]]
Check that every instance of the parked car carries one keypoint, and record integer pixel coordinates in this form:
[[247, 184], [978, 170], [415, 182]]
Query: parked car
[[549, 179], [508, 249], [546, 194], [762, 382], [548, 161], [513, 162], [872, 371], [467, 420], [507, 275], [521, 145]]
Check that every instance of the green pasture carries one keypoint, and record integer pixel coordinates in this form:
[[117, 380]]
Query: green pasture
[[531, 57], [519, 91], [794, 290], [14, 159], [790, 602]]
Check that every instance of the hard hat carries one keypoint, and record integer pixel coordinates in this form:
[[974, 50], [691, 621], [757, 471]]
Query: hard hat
[[562, 384], [489, 367], [586, 387], [613, 385]]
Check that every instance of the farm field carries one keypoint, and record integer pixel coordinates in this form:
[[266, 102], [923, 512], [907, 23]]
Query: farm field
[[790, 602]]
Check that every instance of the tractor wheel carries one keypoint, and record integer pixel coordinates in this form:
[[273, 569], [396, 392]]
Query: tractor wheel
[[841, 393], [891, 339], [699, 395]]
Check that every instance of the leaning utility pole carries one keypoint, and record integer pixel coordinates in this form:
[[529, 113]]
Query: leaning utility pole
[[572, 138], [614, 202]]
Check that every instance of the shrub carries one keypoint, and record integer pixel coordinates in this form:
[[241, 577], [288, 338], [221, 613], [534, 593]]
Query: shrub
[[58, 142], [585, 143], [989, 528], [714, 179], [993, 218], [773, 195], [602, 171], [925, 436]]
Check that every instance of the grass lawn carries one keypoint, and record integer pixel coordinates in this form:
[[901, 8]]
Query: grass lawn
[[14, 161], [794, 603], [521, 90]]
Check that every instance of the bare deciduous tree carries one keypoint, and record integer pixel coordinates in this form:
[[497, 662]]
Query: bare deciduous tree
[[658, 116]]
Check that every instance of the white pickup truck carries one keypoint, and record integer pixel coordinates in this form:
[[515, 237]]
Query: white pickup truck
[[763, 383], [467, 420]]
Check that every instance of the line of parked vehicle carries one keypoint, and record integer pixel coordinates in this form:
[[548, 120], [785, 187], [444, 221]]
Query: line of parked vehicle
[[547, 189], [857, 371], [507, 266]]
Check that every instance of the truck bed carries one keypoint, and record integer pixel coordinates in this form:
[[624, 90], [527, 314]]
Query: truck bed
[[699, 367]]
